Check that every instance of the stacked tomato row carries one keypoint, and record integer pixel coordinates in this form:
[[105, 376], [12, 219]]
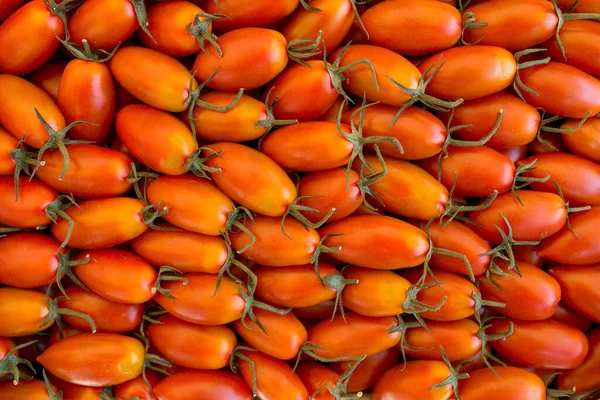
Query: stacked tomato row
[[318, 199]]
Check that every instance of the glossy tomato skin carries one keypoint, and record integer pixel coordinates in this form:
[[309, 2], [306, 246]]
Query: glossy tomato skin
[[356, 336], [568, 316], [585, 141], [578, 284], [414, 27], [30, 210], [203, 385], [398, 244], [34, 389], [94, 171], [317, 378], [580, 41], [7, 143], [8, 7], [251, 179], [138, 388], [540, 344], [585, 377], [573, 93], [194, 203], [48, 78], [182, 250], [17, 115], [514, 384], [75, 359], [369, 370], [28, 307], [494, 69], [101, 223], [414, 381], [28, 260], [515, 154], [28, 38], [76, 392], [180, 342], [243, 14], [533, 296], [152, 77], [263, 58]]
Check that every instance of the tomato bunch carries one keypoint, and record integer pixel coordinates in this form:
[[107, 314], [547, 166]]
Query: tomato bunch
[[299, 199]]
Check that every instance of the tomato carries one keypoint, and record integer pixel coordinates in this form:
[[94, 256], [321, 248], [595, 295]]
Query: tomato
[[23, 312], [153, 77], [582, 6], [182, 250], [28, 260], [540, 344], [585, 377], [568, 316], [203, 385], [514, 384], [315, 313], [100, 223], [548, 142], [93, 171], [318, 379], [243, 14], [18, 101], [413, 27], [67, 331], [263, 57], [8, 7], [515, 154], [537, 216], [379, 293], [561, 89], [75, 359], [29, 211], [7, 143], [181, 342], [564, 247], [194, 302], [354, 336], [137, 388], [579, 285], [585, 141], [519, 125], [369, 370], [580, 41], [536, 20], [414, 380], [76, 392], [34, 389], [459, 340], [397, 244], [28, 37], [251, 179], [48, 78], [457, 291]]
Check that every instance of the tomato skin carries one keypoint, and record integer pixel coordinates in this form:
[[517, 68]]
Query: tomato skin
[[152, 77], [579, 285], [263, 57], [459, 303], [28, 38], [580, 41], [414, 27], [30, 210], [369, 370], [194, 203], [514, 154], [182, 250], [28, 307], [540, 215], [34, 389], [67, 331], [195, 303], [585, 377], [138, 388], [573, 93], [585, 141], [28, 260], [414, 381], [398, 244], [243, 14], [75, 359], [356, 336], [76, 392], [583, 6], [8, 7], [181, 341], [493, 68], [203, 385], [540, 344], [251, 179], [567, 315], [317, 377], [379, 293], [101, 223], [514, 384], [48, 78], [94, 171], [7, 143], [17, 100]]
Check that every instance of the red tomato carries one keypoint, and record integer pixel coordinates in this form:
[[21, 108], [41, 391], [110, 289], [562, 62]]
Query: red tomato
[[34, 389], [396, 243], [203, 385], [137, 388], [513, 384], [585, 377], [414, 380], [30, 210], [369, 370], [529, 254], [568, 316], [318, 379], [243, 14], [75, 359], [580, 42], [458, 338], [181, 342], [585, 141], [515, 154], [28, 37], [48, 78], [263, 57], [8, 7], [413, 27], [23, 312], [540, 344], [579, 285], [76, 392], [7, 143]]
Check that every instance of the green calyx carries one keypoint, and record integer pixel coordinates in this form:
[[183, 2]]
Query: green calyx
[[57, 209], [23, 159], [10, 364], [200, 29], [518, 84], [166, 274]]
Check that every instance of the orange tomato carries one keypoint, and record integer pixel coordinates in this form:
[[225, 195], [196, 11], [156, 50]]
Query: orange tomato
[[29, 211], [513, 384], [580, 41], [414, 380], [585, 141], [23, 312], [243, 14]]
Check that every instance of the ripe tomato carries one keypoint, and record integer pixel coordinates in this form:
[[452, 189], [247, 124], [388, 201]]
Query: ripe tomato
[[585, 377], [203, 385], [8, 7], [76, 392], [48, 78], [34, 389], [243, 14], [137, 388], [18, 101], [413, 27], [582, 6], [180, 342], [580, 42], [29, 211], [540, 344], [585, 141], [568, 316], [513, 384], [369, 370], [93, 171], [397, 244], [552, 142], [414, 380], [579, 284], [28, 37], [7, 143], [515, 154], [317, 378], [75, 359], [23, 312]]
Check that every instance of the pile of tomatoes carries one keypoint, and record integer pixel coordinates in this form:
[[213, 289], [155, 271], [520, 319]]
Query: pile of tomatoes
[[299, 199]]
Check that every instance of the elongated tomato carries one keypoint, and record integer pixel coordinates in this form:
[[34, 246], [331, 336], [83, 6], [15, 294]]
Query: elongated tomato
[[34, 389], [30, 210], [513, 384], [243, 14], [397, 244], [580, 40], [458, 338], [203, 385], [138, 387], [568, 316], [579, 283], [585, 377], [585, 141], [48, 77], [413, 381], [317, 377], [23, 312]]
